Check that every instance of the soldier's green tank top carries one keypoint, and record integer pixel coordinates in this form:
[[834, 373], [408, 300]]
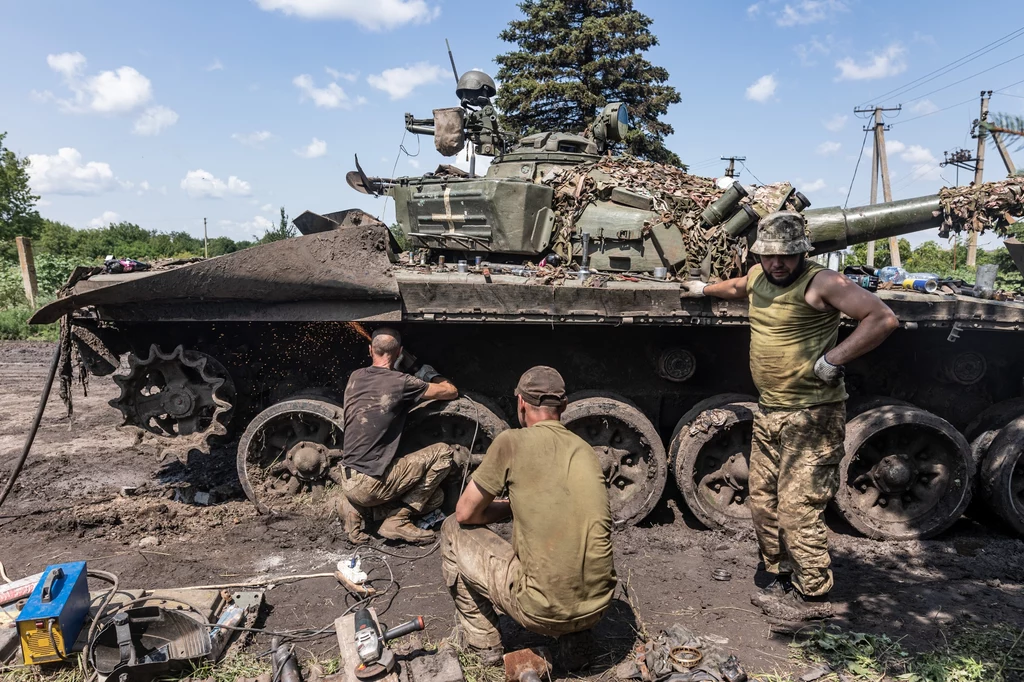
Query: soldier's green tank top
[[787, 336]]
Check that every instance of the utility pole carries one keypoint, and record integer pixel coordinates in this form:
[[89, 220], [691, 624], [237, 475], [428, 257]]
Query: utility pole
[[206, 243], [979, 170], [730, 171], [960, 158], [28, 269], [880, 166]]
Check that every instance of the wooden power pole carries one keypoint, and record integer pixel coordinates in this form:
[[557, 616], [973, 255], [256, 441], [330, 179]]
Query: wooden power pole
[[880, 166], [28, 269], [730, 171], [206, 243], [979, 170]]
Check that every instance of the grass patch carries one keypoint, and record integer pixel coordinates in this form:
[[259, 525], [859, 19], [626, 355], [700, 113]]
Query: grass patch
[[14, 326], [230, 669], [969, 653]]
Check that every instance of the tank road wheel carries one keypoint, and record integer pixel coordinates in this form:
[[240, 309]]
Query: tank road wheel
[[710, 455], [471, 421], [185, 394], [987, 425], [629, 448], [1002, 475], [907, 473], [290, 448]]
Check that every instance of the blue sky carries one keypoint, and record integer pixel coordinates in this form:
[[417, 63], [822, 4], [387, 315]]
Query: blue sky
[[163, 113]]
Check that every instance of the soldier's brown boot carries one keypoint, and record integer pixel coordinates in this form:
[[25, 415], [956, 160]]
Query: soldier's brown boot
[[352, 521], [399, 526]]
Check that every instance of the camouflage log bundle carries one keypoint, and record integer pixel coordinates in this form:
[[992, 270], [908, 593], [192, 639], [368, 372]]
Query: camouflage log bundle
[[991, 206]]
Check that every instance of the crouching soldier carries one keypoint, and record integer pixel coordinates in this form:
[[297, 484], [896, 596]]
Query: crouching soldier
[[377, 400], [557, 576]]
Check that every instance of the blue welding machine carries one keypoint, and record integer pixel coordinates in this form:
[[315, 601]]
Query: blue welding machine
[[53, 615]]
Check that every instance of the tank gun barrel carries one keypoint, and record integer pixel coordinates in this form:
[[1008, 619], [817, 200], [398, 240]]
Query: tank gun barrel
[[835, 228]]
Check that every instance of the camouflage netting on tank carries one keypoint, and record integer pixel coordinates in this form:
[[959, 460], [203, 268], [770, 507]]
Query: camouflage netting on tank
[[991, 206], [678, 198]]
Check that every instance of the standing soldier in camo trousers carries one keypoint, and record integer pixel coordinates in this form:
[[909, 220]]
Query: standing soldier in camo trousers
[[794, 310]]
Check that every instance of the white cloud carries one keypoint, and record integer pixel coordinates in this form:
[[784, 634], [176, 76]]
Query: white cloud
[[836, 123], [808, 12], [925, 106], [375, 16], [105, 219], [331, 97], [829, 147], [267, 208], [763, 88], [108, 92], [915, 153], [253, 139], [401, 81], [807, 51], [841, 191], [314, 149], [893, 147], [64, 173], [753, 10], [815, 186], [155, 119], [255, 227], [414, 163], [349, 76], [201, 184], [888, 62], [215, 65]]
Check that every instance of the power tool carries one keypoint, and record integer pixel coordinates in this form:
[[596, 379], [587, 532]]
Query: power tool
[[374, 658], [54, 613]]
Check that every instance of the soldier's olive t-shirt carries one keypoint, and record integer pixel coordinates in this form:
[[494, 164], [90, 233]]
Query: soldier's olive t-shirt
[[562, 524], [377, 400]]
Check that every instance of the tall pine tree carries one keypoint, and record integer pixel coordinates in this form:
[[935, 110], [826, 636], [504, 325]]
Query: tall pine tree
[[574, 57]]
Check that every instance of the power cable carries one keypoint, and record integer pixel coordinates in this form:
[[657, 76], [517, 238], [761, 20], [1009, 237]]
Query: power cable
[[751, 172], [944, 87], [943, 70], [859, 157], [932, 113]]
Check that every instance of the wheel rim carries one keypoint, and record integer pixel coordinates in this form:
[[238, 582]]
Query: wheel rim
[[712, 464], [907, 473], [629, 450], [289, 449], [185, 395]]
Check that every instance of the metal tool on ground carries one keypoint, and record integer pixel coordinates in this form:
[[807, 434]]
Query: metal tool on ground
[[527, 665], [375, 658], [286, 668], [53, 616]]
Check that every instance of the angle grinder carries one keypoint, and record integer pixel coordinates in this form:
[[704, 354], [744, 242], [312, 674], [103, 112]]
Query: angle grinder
[[375, 658]]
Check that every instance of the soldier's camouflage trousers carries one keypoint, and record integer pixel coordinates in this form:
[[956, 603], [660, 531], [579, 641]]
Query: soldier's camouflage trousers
[[794, 472]]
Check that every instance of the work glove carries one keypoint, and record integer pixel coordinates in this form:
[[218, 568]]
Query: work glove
[[427, 373], [827, 372], [695, 286]]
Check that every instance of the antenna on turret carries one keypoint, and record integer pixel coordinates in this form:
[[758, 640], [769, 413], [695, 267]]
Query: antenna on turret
[[455, 71]]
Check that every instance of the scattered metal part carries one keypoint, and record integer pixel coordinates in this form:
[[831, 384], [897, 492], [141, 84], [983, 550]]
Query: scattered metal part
[[685, 657], [185, 394], [721, 575]]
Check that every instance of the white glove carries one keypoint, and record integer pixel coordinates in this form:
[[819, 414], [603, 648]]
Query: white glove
[[827, 372], [695, 287], [427, 373]]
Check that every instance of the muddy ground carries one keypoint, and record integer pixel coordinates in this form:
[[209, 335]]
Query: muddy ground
[[69, 504]]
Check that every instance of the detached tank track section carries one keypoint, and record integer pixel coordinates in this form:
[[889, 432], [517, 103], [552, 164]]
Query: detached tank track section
[[290, 448], [184, 395]]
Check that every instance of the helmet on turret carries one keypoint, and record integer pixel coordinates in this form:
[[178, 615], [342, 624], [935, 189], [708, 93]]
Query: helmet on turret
[[475, 88]]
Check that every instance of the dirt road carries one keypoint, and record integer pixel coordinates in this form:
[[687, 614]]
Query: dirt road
[[69, 505]]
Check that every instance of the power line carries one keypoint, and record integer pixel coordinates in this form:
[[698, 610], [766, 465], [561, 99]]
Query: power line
[[859, 157], [944, 87], [932, 113], [952, 66], [751, 173]]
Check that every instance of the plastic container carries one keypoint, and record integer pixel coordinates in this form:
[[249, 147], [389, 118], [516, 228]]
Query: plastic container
[[891, 273], [928, 286], [922, 275], [985, 280]]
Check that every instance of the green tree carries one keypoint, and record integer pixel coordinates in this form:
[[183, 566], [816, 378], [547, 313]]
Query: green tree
[[284, 230], [882, 258], [18, 215], [574, 57]]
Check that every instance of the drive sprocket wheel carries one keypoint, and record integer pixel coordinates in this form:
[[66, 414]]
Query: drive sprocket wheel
[[186, 395], [290, 448]]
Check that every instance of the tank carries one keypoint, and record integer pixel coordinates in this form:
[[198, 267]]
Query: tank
[[562, 254]]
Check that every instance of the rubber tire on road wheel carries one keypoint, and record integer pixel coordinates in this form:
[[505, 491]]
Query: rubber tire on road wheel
[[1005, 456], [685, 450], [869, 423], [634, 510]]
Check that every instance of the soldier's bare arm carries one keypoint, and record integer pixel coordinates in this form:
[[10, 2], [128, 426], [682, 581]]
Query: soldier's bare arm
[[440, 389], [731, 289], [876, 321], [477, 507]]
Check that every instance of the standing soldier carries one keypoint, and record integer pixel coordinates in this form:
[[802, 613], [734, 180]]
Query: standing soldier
[[800, 427]]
